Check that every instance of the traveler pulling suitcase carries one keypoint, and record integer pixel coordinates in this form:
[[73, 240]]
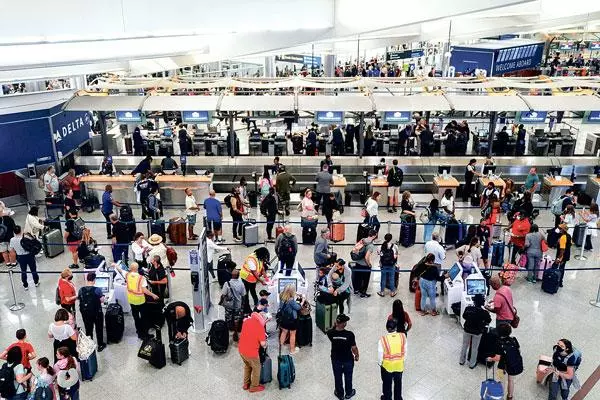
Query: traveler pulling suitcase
[[309, 235], [250, 233], [408, 231], [545, 263], [304, 333], [579, 234], [53, 243], [497, 253], [179, 349], [491, 389], [338, 232], [89, 367], [115, 323], [177, 231], [551, 280]]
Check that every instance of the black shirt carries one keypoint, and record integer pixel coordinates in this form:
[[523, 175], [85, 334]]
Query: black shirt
[[476, 319], [271, 206], [157, 274], [70, 208], [406, 205], [341, 344], [431, 273], [120, 232], [9, 223], [70, 229], [145, 188], [182, 136]]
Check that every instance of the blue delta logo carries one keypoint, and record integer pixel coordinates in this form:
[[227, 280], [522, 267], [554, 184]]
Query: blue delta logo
[[71, 127]]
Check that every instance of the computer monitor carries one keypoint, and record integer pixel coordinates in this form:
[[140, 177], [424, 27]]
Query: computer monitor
[[168, 132], [555, 171], [283, 282], [489, 168], [443, 168], [336, 168], [476, 286], [454, 271], [539, 133], [103, 282]]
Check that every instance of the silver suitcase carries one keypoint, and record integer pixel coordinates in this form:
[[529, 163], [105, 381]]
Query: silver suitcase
[[250, 233], [53, 243]]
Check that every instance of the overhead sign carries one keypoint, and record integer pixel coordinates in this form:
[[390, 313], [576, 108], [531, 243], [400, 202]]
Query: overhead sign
[[396, 117], [532, 117], [314, 61], [195, 116], [518, 58], [594, 46], [466, 61], [401, 55], [593, 117], [129, 116], [566, 46], [329, 117], [70, 130]]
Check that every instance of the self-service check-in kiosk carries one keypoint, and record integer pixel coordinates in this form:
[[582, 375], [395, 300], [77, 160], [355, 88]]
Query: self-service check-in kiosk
[[454, 286], [474, 284]]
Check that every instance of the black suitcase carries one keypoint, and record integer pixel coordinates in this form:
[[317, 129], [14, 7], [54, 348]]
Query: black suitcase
[[179, 351], [115, 323], [362, 231], [126, 213], [487, 345], [154, 313], [551, 280], [579, 234], [253, 198], [309, 235], [552, 237], [584, 199], [53, 223], [158, 227], [304, 333], [452, 232], [408, 232], [297, 144], [224, 267], [153, 350], [475, 200]]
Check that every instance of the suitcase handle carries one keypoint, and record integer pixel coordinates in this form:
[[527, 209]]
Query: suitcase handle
[[493, 368]]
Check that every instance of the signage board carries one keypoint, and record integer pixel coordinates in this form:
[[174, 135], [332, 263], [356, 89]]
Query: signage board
[[195, 117], [517, 58], [532, 117], [129, 116], [594, 46], [329, 117], [309, 61], [70, 130], [592, 117], [404, 54], [566, 45], [396, 117]]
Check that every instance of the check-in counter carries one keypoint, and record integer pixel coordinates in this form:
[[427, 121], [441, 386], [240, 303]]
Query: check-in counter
[[380, 185], [442, 184], [592, 188], [339, 185], [498, 184], [171, 187], [553, 188]]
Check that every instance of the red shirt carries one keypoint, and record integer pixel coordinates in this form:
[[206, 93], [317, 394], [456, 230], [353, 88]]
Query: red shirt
[[253, 332], [66, 289], [520, 228], [503, 305], [26, 349]]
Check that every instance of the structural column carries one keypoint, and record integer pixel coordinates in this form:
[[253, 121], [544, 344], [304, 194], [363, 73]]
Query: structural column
[[493, 118], [269, 67], [361, 135], [329, 65]]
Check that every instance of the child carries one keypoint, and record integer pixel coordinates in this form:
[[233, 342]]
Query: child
[[264, 295], [44, 377], [26, 349]]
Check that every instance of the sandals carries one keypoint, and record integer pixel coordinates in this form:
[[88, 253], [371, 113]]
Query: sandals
[[423, 313], [393, 294], [434, 313]]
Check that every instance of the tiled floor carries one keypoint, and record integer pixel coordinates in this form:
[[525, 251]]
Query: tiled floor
[[432, 370]]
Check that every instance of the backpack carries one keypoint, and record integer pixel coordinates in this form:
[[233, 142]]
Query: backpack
[[387, 255], [43, 393], [556, 207], [393, 177], [286, 247], [77, 231], [3, 229], [513, 361], [227, 201], [171, 256], [7, 381], [578, 358], [88, 302], [30, 244], [264, 189], [218, 337], [359, 251]]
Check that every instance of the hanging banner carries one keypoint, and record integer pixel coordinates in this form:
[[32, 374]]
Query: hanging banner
[[396, 117], [309, 61], [129, 116], [532, 117], [195, 117], [70, 130], [329, 117]]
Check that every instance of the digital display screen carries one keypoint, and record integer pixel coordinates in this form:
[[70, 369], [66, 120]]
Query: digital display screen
[[283, 282], [476, 286], [454, 271]]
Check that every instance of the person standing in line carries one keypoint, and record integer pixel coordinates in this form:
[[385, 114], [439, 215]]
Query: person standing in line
[[62, 332], [34, 225], [51, 184], [508, 356], [140, 248], [565, 362], [27, 351], [6, 235], [286, 248], [532, 181], [90, 305], [321, 255], [231, 299], [395, 177], [21, 375], [502, 304], [24, 258], [427, 283], [388, 256], [366, 248], [283, 183], [211, 249], [66, 364], [252, 338], [519, 230], [71, 209], [391, 351], [591, 219], [214, 215], [563, 250], [372, 207], [237, 212], [340, 293], [324, 181], [191, 208], [533, 246], [120, 239], [73, 236], [269, 206], [289, 317], [107, 208], [403, 322], [67, 291], [476, 321], [344, 353]]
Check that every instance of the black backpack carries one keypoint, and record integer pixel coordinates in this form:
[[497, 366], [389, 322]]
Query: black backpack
[[387, 255], [88, 301], [513, 361], [263, 207], [286, 247], [3, 229], [7, 381], [43, 393], [227, 201], [30, 244], [218, 337]]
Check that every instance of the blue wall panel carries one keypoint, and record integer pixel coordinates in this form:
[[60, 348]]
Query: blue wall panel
[[23, 142]]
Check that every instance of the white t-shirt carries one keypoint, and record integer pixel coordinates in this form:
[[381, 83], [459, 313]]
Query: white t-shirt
[[372, 207], [212, 248], [51, 180], [61, 332], [308, 207], [138, 251], [190, 202], [475, 253], [447, 203]]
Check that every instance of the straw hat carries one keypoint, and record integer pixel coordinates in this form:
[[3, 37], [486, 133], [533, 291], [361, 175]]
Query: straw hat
[[155, 239]]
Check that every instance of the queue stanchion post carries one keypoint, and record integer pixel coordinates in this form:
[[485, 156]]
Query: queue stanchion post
[[16, 306], [581, 256], [596, 302]]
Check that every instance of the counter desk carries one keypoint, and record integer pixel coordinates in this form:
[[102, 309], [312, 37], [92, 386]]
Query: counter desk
[[553, 188], [380, 185], [171, 187], [442, 184]]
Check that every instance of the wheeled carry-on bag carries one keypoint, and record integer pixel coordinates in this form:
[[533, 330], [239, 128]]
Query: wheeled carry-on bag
[[304, 333], [115, 323], [408, 231], [179, 349], [579, 234], [153, 350], [157, 227], [309, 235], [551, 280], [338, 232], [53, 244], [250, 233], [266, 369], [325, 316], [362, 231], [177, 231], [89, 367], [491, 389], [545, 263], [286, 372]]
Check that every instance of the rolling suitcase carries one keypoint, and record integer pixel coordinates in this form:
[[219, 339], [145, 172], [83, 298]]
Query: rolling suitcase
[[153, 350], [115, 323], [491, 389], [362, 231], [286, 373], [545, 263], [347, 199], [475, 200], [89, 367], [266, 370], [338, 232], [579, 234], [551, 280], [325, 316], [53, 224], [497, 253], [297, 144], [304, 333], [418, 297], [309, 235], [177, 231], [179, 351], [224, 268], [157, 227], [451, 236], [408, 231], [250, 233], [53, 243], [128, 145]]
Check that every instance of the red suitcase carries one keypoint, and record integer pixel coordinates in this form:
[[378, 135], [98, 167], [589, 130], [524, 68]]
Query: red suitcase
[[338, 232], [177, 230]]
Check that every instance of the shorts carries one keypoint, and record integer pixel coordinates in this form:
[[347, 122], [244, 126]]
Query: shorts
[[214, 225], [191, 219], [393, 191], [73, 246], [3, 247], [289, 325]]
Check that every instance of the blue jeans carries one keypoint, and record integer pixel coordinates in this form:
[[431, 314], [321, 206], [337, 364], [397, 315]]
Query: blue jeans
[[427, 292], [344, 368], [555, 389], [428, 231], [373, 222], [387, 277], [120, 250], [533, 263]]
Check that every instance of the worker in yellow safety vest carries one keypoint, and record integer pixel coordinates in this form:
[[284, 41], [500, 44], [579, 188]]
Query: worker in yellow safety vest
[[392, 351], [137, 289], [254, 270]]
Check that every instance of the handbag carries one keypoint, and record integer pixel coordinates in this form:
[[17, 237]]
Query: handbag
[[516, 319], [57, 296], [85, 345], [544, 246]]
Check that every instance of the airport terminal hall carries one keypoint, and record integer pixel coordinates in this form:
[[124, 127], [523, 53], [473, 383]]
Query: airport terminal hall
[[316, 199]]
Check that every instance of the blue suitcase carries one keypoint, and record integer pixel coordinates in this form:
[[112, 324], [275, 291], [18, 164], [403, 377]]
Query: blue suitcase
[[286, 373], [551, 280], [266, 370], [89, 367], [408, 231], [490, 388]]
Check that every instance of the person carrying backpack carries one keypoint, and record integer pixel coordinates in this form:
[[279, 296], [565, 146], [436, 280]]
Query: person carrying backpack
[[388, 255], [231, 299], [286, 248], [508, 356], [13, 377], [268, 208], [565, 362], [395, 177], [288, 317], [362, 254], [90, 304]]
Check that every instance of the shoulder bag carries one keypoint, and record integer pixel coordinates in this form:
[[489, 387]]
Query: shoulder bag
[[516, 319]]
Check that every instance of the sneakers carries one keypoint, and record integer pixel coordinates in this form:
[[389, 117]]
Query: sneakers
[[246, 386], [26, 288], [393, 294], [37, 284], [363, 295], [74, 266], [381, 294], [255, 389], [237, 239], [351, 394], [101, 347]]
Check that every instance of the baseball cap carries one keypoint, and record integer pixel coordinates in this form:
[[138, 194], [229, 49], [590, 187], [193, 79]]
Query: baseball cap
[[264, 293], [342, 318]]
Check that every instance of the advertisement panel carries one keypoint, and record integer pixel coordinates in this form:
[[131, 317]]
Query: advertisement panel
[[532, 117], [396, 117], [70, 130], [129, 116]]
